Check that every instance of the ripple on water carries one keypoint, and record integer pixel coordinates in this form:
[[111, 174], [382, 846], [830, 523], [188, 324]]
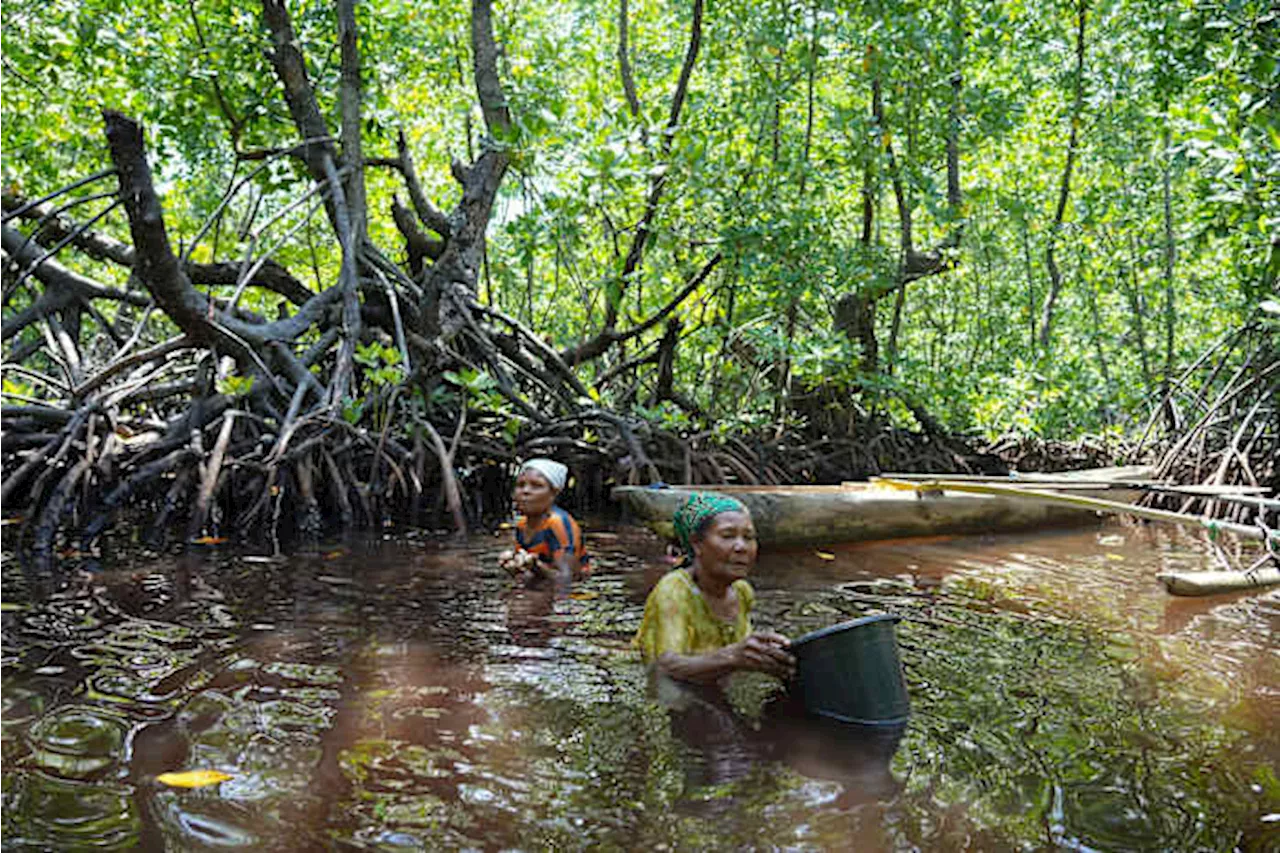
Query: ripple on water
[[1107, 815], [19, 705], [77, 741], [62, 814], [192, 821], [427, 704], [126, 689]]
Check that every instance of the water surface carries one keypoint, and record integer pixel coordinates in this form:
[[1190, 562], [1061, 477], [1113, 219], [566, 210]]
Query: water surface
[[401, 695]]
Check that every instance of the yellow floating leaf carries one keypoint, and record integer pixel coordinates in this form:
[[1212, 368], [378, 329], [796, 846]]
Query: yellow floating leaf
[[209, 540], [1117, 557], [506, 525], [333, 555], [193, 778], [826, 555], [584, 595]]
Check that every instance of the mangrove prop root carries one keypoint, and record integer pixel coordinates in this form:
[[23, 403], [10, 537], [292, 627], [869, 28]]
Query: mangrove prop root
[[1234, 437], [168, 401]]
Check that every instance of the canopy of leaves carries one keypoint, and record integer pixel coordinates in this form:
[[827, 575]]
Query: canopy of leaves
[[778, 162]]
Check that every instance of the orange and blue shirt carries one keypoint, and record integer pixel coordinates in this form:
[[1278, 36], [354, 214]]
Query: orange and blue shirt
[[557, 532]]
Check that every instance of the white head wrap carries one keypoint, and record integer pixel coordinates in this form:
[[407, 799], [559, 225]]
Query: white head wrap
[[555, 473]]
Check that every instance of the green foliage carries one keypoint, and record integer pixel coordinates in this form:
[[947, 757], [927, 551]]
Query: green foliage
[[756, 169], [666, 415], [352, 410], [233, 385], [1024, 404], [475, 383], [382, 363], [481, 393]]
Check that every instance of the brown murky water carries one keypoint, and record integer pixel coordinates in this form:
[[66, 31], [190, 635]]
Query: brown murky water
[[402, 696]]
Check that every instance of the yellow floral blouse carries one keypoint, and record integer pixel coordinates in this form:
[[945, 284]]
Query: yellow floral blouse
[[677, 619]]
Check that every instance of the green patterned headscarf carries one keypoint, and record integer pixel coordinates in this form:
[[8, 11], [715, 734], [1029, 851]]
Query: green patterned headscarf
[[698, 509]]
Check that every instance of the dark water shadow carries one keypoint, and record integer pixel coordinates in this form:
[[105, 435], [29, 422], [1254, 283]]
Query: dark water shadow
[[856, 756], [723, 747]]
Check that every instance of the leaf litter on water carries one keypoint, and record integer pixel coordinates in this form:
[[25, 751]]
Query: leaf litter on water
[[193, 778]]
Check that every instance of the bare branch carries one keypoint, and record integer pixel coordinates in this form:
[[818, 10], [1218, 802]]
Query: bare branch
[[52, 225], [159, 270], [427, 212], [157, 266], [624, 70], [235, 124], [56, 247], [1064, 190], [96, 176], [493, 103], [686, 71], [348, 286], [270, 275], [597, 346], [419, 244], [541, 347], [158, 351], [349, 95], [291, 68], [62, 286], [657, 183]]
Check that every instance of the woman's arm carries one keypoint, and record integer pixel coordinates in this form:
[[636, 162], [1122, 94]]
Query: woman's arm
[[763, 651], [566, 563]]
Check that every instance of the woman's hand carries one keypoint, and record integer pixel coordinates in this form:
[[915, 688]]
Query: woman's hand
[[765, 651], [516, 562]]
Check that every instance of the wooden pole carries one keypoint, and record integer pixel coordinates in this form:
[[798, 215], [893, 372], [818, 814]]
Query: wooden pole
[[1212, 525]]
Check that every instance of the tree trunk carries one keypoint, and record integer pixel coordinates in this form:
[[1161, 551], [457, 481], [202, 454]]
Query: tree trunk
[[1064, 189], [1170, 256], [599, 344], [855, 312]]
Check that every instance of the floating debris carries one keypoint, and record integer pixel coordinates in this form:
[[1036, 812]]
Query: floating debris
[[193, 778]]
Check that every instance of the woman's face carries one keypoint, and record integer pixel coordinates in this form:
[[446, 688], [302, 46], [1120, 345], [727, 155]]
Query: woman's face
[[533, 494], [727, 547]]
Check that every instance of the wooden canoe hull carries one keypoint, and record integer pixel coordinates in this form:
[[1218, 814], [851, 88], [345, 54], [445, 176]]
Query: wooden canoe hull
[[814, 515]]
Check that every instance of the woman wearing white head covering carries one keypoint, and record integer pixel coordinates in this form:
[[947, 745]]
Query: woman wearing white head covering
[[555, 473], [548, 539]]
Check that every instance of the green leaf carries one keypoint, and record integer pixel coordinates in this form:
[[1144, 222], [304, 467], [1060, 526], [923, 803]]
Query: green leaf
[[233, 385]]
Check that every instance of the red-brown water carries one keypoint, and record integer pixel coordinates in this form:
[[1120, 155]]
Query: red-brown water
[[401, 696]]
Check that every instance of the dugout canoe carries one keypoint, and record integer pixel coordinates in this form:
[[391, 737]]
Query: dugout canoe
[[851, 512]]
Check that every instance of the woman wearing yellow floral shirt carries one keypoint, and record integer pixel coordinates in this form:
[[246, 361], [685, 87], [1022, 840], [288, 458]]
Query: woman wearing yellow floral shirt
[[697, 622]]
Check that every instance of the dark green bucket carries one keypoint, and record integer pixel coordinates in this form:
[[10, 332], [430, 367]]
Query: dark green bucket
[[851, 672]]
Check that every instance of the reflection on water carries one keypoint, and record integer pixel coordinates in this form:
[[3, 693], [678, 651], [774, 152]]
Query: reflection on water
[[404, 696]]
